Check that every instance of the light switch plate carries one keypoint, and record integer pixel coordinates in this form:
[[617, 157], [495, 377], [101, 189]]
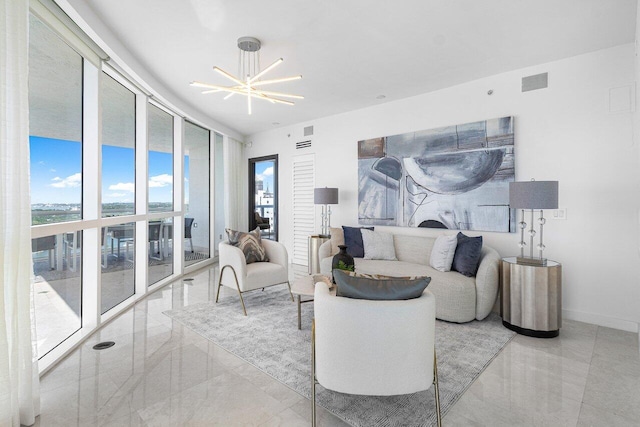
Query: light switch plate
[[559, 214]]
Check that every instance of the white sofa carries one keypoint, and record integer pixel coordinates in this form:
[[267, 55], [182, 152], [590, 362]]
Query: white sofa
[[458, 298]]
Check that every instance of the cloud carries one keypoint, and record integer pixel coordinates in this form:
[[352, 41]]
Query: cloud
[[160, 180], [71, 181], [267, 172], [52, 170], [123, 186], [116, 195]]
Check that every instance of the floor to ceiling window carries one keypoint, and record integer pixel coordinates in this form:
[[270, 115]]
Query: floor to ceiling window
[[160, 160], [106, 171], [160, 155], [118, 143], [55, 142], [197, 167], [118, 110]]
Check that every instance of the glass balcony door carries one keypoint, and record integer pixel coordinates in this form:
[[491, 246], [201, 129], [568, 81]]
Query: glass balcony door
[[197, 190], [263, 200]]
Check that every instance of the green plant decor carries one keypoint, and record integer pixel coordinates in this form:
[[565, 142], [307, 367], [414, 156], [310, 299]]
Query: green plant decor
[[342, 266]]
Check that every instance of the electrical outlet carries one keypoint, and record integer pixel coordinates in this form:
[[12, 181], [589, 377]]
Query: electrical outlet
[[560, 214]]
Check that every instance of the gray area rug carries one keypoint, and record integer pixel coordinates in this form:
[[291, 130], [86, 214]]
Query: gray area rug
[[269, 339]]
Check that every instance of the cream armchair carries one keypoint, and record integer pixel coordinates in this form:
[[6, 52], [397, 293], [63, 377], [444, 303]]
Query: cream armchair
[[373, 348], [235, 271]]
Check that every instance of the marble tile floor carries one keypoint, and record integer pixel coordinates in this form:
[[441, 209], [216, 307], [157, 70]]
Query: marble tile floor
[[162, 374]]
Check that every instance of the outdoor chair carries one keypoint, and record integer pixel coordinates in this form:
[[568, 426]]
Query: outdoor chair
[[188, 223], [263, 223]]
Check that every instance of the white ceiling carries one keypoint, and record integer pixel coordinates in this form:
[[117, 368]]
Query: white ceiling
[[349, 52]]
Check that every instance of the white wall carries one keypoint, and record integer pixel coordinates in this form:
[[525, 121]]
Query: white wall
[[564, 133]]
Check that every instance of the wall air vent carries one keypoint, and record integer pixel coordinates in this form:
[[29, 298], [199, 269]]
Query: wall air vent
[[308, 131], [535, 82], [303, 144]]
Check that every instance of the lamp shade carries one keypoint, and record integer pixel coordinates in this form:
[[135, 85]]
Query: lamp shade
[[325, 196], [533, 195]]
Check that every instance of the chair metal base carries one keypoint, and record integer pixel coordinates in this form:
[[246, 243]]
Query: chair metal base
[[235, 276], [314, 380]]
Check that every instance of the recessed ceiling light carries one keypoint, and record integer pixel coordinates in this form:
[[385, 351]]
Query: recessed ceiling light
[[380, 97]]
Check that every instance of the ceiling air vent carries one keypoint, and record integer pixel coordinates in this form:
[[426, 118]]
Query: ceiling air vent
[[303, 144], [308, 131], [535, 82], [104, 345]]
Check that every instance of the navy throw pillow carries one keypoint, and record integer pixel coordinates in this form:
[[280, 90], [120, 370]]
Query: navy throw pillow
[[467, 256], [353, 241]]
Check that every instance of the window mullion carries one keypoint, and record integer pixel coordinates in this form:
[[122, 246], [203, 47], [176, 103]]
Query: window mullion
[[178, 189], [91, 198], [141, 193]]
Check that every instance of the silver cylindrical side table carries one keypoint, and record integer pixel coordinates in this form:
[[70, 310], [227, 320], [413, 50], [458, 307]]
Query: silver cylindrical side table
[[531, 298], [315, 241]]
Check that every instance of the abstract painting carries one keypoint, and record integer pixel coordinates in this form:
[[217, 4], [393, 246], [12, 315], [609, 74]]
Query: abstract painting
[[455, 177]]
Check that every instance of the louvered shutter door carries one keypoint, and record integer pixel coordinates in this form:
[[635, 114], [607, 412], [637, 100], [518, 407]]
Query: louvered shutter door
[[303, 207]]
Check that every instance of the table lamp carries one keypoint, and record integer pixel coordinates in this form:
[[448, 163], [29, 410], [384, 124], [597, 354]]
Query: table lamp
[[532, 195], [325, 197]]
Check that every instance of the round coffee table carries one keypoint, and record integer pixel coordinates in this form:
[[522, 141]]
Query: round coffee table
[[306, 286]]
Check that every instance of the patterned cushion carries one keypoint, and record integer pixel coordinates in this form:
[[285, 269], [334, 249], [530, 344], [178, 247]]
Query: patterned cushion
[[249, 243]]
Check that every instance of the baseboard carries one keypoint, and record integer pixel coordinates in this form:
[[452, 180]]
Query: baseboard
[[600, 320]]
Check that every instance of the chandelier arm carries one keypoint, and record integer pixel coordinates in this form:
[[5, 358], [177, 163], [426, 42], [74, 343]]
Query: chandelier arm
[[266, 70], [265, 98], [227, 89], [212, 86], [229, 76], [268, 82], [285, 95], [204, 85], [272, 100], [248, 95]]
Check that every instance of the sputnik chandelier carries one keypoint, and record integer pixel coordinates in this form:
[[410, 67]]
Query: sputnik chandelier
[[249, 83]]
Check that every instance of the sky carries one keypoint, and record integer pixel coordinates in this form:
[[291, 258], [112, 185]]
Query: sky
[[56, 167], [264, 172]]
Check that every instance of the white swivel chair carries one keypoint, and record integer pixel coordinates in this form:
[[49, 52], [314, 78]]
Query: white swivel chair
[[373, 348], [235, 271]]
